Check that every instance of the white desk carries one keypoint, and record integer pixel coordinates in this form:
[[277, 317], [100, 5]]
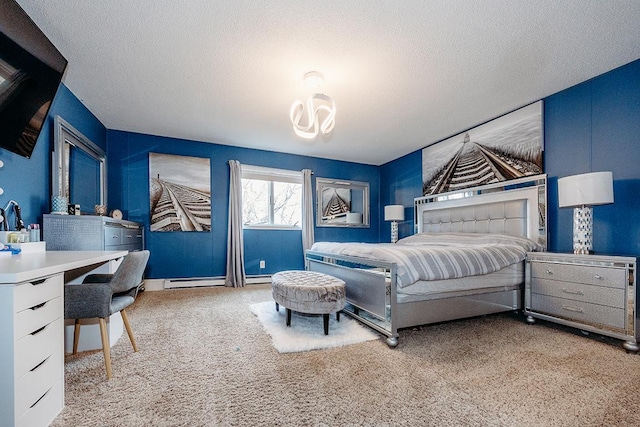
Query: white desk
[[31, 332]]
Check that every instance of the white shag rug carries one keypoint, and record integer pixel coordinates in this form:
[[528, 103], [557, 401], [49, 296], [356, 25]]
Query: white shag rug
[[306, 332]]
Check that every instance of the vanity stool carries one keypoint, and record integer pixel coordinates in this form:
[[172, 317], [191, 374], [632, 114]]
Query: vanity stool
[[308, 292]]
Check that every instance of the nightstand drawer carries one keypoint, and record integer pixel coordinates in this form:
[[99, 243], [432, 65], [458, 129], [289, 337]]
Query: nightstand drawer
[[591, 275], [580, 311], [611, 297]]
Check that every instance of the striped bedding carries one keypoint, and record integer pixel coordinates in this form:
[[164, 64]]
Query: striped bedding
[[439, 256]]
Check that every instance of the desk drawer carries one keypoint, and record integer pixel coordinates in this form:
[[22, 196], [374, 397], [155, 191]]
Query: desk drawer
[[612, 297], [34, 318], [580, 311], [30, 294], [591, 275], [44, 411], [33, 348], [35, 383]]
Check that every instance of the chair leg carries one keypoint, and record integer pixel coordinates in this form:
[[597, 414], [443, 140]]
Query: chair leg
[[105, 346], [125, 320], [76, 335]]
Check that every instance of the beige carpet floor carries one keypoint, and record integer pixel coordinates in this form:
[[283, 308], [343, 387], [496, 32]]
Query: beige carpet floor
[[204, 360]]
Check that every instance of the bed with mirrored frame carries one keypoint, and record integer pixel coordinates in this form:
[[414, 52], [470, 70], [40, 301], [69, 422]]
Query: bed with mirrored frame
[[516, 207]]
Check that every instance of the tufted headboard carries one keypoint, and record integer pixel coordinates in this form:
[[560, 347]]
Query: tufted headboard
[[517, 212]]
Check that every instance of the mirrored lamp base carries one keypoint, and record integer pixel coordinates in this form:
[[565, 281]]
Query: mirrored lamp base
[[394, 231], [583, 230]]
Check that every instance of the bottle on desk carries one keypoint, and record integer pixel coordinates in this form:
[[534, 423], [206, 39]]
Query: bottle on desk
[[34, 232]]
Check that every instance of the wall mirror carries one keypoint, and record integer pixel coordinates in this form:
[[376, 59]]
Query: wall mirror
[[79, 170], [342, 203]]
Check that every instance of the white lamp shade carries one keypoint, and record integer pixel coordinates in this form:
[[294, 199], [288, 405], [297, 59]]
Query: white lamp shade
[[394, 213], [588, 189]]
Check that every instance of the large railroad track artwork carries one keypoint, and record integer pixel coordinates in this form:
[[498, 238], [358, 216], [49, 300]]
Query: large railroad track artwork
[[179, 208]]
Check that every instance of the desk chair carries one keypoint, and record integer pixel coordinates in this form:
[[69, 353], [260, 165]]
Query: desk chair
[[101, 295]]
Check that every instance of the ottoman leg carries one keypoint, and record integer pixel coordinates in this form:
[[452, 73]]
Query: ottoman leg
[[325, 321], [288, 317], [277, 307], [338, 316]]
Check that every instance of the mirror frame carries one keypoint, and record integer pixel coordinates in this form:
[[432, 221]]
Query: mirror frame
[[325, 183], [66, 136]]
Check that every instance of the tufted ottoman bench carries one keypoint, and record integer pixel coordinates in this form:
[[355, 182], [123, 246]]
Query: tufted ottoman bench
[[308, 292]]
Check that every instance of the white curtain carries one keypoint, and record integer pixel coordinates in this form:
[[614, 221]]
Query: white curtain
[[235, 243], [307, 210]]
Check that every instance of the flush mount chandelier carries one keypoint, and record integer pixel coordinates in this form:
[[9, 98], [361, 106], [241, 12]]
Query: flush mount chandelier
[[321, 110]]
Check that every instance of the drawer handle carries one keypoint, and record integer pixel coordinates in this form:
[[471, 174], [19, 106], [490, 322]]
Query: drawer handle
[[38, 282], [114, 237], [577, 310], [572, 292], [599, 277], [37, 331], [35, 368], [41, 397], [549, 272], [39, 306]]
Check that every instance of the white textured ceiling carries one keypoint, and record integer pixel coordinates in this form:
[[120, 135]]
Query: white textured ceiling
[[403, 74]]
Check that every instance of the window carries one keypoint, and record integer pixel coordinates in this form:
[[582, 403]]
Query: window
[[271, 198]]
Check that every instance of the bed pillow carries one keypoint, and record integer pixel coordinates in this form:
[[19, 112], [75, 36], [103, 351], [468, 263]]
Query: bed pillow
[[469, 239]]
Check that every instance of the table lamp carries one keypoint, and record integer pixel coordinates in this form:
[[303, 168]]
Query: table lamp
[[581, 192], [394, 213]]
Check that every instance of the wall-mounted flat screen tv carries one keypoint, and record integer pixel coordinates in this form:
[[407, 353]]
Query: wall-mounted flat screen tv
[[31, 69]]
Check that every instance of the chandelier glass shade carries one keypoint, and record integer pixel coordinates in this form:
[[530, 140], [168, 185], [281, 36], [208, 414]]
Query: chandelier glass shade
[[320, 114]]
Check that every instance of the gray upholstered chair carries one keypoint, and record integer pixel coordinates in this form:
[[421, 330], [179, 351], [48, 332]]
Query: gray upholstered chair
[[101, 295]]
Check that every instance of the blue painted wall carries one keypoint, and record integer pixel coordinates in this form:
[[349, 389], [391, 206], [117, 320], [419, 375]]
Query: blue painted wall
[[590, 127], [28, 181], [593, 126], [193, 254], [400, 183]]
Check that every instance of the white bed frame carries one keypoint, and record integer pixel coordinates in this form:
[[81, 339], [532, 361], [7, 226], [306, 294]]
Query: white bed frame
[[516, 207]]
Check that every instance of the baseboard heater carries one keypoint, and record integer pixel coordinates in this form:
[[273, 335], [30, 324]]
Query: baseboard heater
[[192, 282]]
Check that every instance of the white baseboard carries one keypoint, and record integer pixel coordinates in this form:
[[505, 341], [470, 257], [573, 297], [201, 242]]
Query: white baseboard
[[255, 280], [153, 284], [191, 282]]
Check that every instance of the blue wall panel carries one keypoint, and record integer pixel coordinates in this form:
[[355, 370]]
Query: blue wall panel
[[203, 254], [401, 182], [616, 147], [28, 181], [567, 136], [594, 127]]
